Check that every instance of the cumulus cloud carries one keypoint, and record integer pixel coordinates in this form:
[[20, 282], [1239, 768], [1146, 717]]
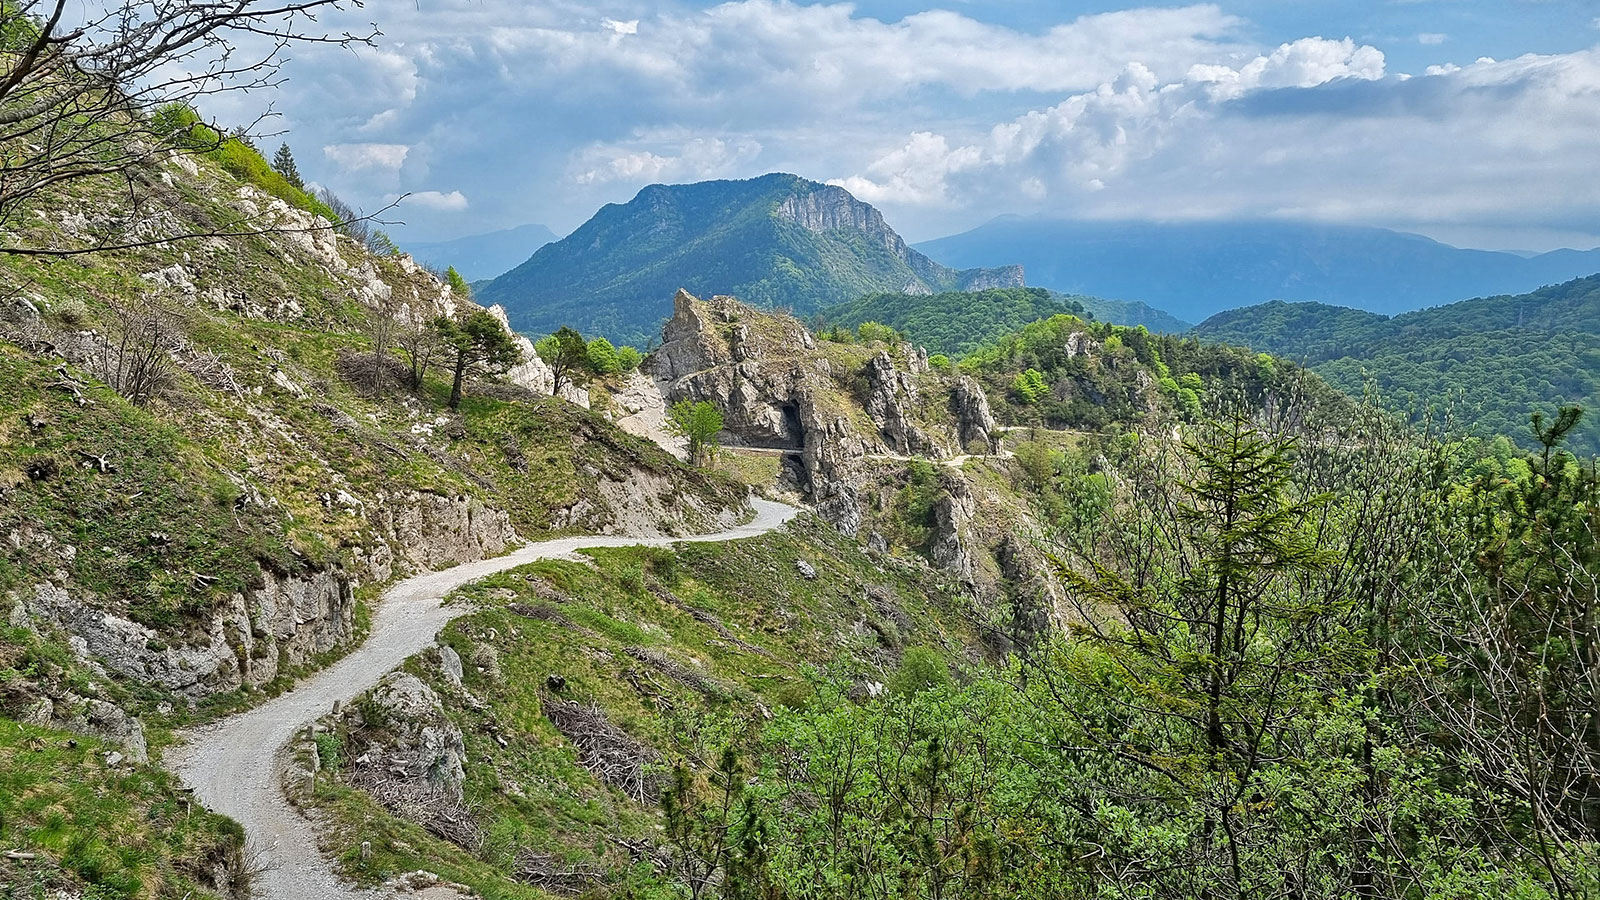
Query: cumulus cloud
[[356, 157], [454, 201], [543, 110], [1432, 38], [692, 158], [1312, 130]]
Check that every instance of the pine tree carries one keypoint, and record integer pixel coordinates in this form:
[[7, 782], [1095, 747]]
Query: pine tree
[[481, 345], [283, 163]]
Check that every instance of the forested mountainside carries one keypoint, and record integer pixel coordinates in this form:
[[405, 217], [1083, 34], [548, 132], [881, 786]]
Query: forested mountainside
[[206, 475], [955, 323], [1198, 269], [1488, 362], [777, 240]]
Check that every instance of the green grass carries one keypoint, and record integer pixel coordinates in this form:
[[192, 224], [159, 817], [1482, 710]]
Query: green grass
[[533, 792], [116, 832]]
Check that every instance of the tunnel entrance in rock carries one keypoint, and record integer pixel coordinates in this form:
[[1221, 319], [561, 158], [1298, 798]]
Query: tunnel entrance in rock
[[792, 427]]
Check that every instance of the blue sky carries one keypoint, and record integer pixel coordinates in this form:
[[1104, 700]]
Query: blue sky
[[1470, 121]]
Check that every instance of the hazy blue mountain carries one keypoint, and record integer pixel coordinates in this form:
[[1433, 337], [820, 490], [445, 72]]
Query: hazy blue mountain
[[1195, 270], [1489, 361], [777, 240], [482, 256]]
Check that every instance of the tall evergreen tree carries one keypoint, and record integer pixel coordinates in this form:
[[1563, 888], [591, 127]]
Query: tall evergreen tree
[[283, 163]]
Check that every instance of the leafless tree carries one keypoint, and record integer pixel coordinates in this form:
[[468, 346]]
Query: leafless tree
[[423, 348], [80, 85], [136, 360]]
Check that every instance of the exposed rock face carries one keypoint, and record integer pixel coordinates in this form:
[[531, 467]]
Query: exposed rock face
[[403, 739], [247, 639], [1001, 277], [890, 391], [950, 546], [427, 531], [776, 391], [95, 718], [975, 425], [533, 372]]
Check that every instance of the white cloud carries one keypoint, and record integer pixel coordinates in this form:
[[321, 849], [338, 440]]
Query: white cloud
[[1432, 38], [543, 110], [455, 201], [1310, 131], [683, 158], [356, 157]]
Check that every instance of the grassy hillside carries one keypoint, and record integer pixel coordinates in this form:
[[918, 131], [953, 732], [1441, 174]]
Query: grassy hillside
[[165, 543], [1488, 362], [683, 650], [616, 275]]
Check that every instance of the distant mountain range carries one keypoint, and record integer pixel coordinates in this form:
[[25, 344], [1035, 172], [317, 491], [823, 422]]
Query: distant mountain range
[[777, 240], [1195, 270], [482, 256], [1492, 361]]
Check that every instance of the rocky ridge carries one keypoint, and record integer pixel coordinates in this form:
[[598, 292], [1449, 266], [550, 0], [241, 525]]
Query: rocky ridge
[[850, 420]]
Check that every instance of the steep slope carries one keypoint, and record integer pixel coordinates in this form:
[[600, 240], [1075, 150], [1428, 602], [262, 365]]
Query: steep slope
[[1490, 361], [777, 240], [1195, 270], [482, 256], [206, 475]]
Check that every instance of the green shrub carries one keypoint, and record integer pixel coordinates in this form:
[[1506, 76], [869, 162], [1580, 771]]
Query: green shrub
[[921, 669], [603, 359], [877, 333]]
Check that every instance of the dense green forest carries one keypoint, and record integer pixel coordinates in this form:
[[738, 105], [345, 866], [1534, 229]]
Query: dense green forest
[[1485, 364], [956, 323], [1311, 656], [953, 322]]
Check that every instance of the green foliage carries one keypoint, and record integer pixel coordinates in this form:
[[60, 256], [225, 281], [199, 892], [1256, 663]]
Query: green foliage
[[481, 346], [566, 353], [330, 752], [921, 669], [1030, 386], [939, 363], [699, 422], [952, 323], [458, 285], [381, 244], [629, 358], [603, 358], [189, 132], [283, 163], [1488, 363], [877, 333]]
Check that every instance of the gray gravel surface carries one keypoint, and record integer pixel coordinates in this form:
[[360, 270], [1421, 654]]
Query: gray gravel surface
[[235, 765]]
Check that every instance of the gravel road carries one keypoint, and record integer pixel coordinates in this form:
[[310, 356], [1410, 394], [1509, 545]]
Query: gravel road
[[234, 766]]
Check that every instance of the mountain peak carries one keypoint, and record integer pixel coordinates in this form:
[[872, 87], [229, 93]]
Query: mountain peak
[[779, 240]]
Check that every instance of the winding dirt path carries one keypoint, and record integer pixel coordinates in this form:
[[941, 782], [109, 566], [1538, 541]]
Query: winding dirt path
[[234, 766]]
